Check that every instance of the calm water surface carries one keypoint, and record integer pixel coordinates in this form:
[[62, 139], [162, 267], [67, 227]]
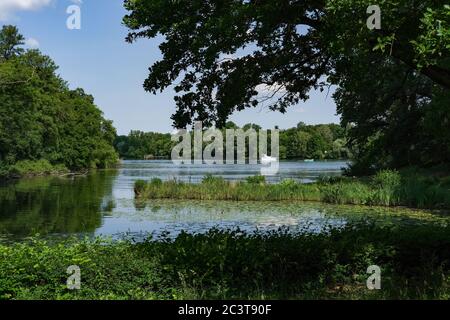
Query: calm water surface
[[103, 203]]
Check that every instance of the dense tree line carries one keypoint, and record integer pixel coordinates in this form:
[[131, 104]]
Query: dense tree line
[[392, 83], [323, 141], [139, 145], [41, 118]]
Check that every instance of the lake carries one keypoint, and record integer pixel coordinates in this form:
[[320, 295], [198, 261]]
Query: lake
[[102, 203]]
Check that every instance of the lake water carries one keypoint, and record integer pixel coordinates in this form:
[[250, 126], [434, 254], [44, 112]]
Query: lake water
[[102, 203], [298, 170]]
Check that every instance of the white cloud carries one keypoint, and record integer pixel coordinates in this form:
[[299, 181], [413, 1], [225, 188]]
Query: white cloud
[[32, 43], [9, 7]]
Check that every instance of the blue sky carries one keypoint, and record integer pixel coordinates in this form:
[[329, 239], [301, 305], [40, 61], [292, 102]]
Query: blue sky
[[97, 59]]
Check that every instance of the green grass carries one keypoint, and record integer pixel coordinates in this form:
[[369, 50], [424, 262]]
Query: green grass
[[414, 261], [29, 168], [386, 188]]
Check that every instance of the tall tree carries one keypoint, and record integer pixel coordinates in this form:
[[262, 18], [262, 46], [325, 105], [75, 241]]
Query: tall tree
[[41, 118], [10, 42], [228, 55], [225, 51]]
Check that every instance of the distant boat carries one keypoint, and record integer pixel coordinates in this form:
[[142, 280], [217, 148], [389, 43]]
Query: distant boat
[[265, 159], [308, 160]]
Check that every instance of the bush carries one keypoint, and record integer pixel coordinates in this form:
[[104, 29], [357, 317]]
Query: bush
[[156, 182], [346, 193], [256, 179], [288, 183], [139, 186], [387, 179], [34, 168], [236, 265]]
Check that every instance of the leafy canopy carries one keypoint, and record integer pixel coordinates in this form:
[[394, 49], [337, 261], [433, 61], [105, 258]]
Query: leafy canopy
[[41, 118], [219, 54]]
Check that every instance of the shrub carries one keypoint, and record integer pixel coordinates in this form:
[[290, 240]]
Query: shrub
[[258, 179], [387, 179], [346, 193], [233, 264], [156, 182], [34, 168], [139, 186], [288, 183]]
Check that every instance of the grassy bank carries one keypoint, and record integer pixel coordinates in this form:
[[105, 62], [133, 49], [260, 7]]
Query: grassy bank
[[28, 168], [414, 262], [387, 188], [38, 168]]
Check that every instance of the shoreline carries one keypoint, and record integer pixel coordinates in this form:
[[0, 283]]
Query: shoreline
[[61, 174], [42, 168]]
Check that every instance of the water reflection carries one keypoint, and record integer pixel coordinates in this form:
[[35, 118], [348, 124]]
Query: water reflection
[[164, 169], [55, 205], [158, 216], [103, 203]]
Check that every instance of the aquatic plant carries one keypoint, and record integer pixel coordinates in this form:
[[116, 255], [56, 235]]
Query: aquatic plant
[[236, 265], [387, 188]]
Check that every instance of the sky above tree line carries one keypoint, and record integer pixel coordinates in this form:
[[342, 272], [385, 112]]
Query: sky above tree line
[[97, 59]]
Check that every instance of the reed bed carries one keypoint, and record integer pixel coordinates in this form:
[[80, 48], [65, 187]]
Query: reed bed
[[386, 188]]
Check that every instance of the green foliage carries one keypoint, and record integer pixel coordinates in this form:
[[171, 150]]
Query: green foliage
[[41, 118], [288, 183], [387, 179], [156, 181], [37, 270], [392, 84], [395, 117], [32, 168], [214, 188], [386, 188], [256, 179], [347, 193], [324, 179], [322, 33], [139, 186], [210, 179], [433, 42], [10, 42], [235, 265], [55, 205], [139, 145], [323, 141]]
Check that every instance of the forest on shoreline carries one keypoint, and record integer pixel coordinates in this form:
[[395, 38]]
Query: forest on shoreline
[[45, 127], [320, 142]]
